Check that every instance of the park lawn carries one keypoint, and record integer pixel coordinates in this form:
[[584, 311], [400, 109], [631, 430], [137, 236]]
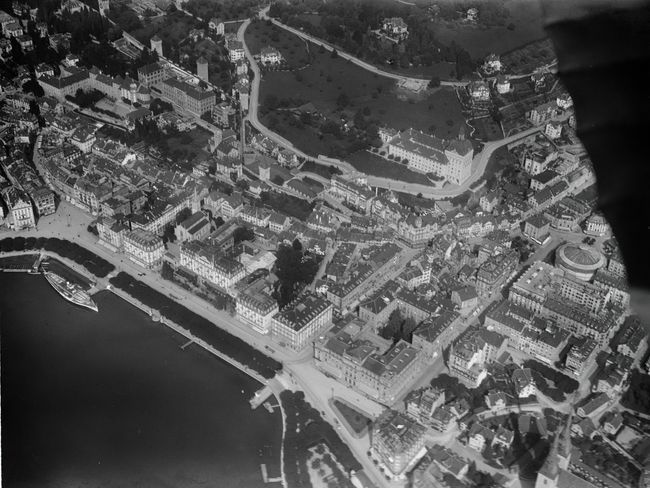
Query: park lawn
[[260, 34], [355, 419], [480, 41], [327, 78], [374, 165]]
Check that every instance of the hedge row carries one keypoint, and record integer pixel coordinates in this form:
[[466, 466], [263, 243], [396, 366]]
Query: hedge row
[[70, 250], [305, 428], [200, 327]]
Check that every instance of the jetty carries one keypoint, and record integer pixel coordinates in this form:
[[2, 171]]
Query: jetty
[[188, 343], [261, 396], [265, 476]]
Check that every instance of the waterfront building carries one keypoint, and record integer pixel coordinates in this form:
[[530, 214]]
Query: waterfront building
[[163, 213], [143, 248], [301, 320], [361, 365], [398, 442], [207, 260], [256, 307], [451, 160], [19, 208], [111, 232]]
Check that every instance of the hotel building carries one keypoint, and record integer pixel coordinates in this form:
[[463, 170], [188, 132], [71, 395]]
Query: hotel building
[[144, 248]]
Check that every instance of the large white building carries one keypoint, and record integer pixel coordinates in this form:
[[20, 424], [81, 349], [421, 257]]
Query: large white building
[[451, 160], [256, 307], [144, 248], [208, 262], [20, 209], [301, 320]]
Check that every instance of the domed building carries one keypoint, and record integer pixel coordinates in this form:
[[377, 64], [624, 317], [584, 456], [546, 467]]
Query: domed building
[[579, 260]]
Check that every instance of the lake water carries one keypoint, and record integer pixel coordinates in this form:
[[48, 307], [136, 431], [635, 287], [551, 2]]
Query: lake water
[[110, 399]]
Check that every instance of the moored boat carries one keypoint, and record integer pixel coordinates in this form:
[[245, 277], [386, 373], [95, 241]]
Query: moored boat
[[70, 291]]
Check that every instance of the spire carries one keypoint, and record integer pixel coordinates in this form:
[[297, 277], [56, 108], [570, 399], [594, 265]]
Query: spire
[[550, 468]]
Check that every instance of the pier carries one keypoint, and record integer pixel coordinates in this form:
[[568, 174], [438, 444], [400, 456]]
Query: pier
[[265, 476], [261, 396], [191, 341]]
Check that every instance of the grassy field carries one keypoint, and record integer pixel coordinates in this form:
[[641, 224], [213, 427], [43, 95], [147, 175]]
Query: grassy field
[[481, 41], [261, 34], [486, 129], [327, 78], [374, 165]]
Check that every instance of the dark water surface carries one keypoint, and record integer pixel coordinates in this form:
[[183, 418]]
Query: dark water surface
[[109, 399]]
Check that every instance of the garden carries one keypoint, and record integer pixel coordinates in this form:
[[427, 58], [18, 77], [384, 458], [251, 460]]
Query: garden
[[294, 51], [228, 344], [357, 422]]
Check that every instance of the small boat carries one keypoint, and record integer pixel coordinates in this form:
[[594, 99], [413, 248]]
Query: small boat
[[70, 291]]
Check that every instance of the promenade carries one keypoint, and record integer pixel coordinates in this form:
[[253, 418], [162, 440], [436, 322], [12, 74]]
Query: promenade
[[70, 222]]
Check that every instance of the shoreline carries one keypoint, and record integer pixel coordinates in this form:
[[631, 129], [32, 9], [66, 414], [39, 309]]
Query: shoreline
[[166, 322]]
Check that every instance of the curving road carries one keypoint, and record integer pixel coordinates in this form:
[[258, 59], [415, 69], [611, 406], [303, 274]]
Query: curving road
[[478, 165]]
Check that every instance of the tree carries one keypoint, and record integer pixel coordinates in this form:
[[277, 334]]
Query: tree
[[218, 221], [167, 271], [297, 245], [434, 82], [183, 215], [343, 100], [334, 54], [243, 234]]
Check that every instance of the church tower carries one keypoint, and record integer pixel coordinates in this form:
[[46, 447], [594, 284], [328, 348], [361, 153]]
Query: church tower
[[559, 456], [549, 473]]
